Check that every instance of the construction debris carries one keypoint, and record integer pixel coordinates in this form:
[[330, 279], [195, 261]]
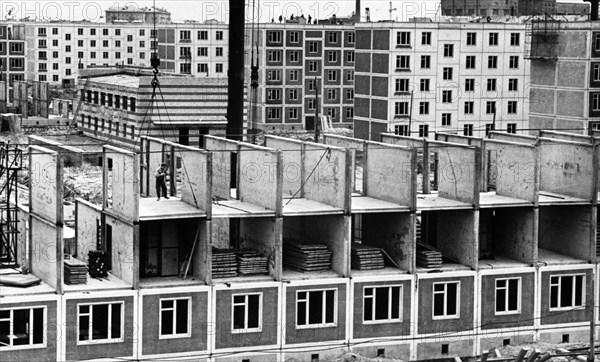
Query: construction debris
[[224, 263], [75, 271], [249, 262], [306, 257], [366, 257], [428, 257]]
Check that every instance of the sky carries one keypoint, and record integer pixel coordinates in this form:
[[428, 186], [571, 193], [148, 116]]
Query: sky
[[201, 10]]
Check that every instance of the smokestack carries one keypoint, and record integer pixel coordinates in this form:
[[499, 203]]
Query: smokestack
[[235, 89], [357, 11]]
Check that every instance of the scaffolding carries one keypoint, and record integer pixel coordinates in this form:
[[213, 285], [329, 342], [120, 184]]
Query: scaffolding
[[542, 39], [11, 162]]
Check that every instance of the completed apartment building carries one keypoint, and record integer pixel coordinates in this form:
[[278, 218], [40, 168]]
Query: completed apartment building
[[419, 77], [12, 59]]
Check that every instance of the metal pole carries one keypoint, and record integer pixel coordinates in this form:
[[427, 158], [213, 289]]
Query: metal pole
[[410, 113], [591, 297], [235, 100], [317, 120]]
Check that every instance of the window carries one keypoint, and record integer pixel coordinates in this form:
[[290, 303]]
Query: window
[[42, 31], [351, 37], [350, 75], [16, 47], [401, 129], [293, 113], [512, 107], [492, 62], [468, 130], [219, 51], [274, 36], [55, 66], [92, 43], [293, 75], [349, 113], [219, 68], [142, 55], [54, 31], [117, 43], [316, 308], [382, 304], [350, 94], [402, 85], [93, 55], [293, 94], [117, 32], [274, 56], [247, 313], [425, 61], [423, 130], [105, 43], [142, 32], [274, 75], [294, 37], [219, 35], [331, 112], [403, 62], [55, 42], [311, 104], [42, 43], [142, 44], [469, 85], [130, 50], [513, 84], [175, 318], [515, 39], [331, 94], [567, 291], [446, 119], [511, 128], [313, 47], [184, 35], [92, 32], [350, 57], [332, 56], [16, 63], [426, 38], [448, 50], [22, 328], [294, 56], [202, 35], [513, 62], [471, 38], [274, 94], [491, 85], [595, 101], [470, 64], [332, 75], [423, 107], [202, 52], [424, 85], [493, 39], [403, 38], [447, 73], [80, 43], [104, 55], [68, 48], [508, 296], [333, 37], [469, 106], [67, 37], [100, 322], [42, 55], [488, 128], [401, 109], [80, 31], [490, 107], [185, 68], [273, 113], [446, 96], [446, 300]]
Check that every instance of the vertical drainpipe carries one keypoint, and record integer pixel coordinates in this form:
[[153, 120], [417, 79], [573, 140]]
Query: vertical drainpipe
[[235, 89]]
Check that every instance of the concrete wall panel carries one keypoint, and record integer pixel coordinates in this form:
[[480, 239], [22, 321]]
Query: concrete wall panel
[[46, 182], [489, 319], [388, 173], [122, 183], [567, 168], [221, 163], [573, 44], [259, 178], [328, 184], [88, 218], [124, 262], [457, 236], [564, 316], [570, 103], [571, 73], [458, 174], [515, 231], [46, 253], [292, 162], [568, 225], [515, 167], [195, 187], [541, 101], [264, 235]]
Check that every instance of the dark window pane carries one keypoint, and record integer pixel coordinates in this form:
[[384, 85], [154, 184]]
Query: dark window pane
[[368, 309], [84, 323], [38, 325], [4, 332], [381, 300], [166, 304], [100, 321], [116, 321], [238, 317], [21, 327], [396, 302], [500, 300], [301, 313], [166, 327], [253, 310], [315, 314], [438, 304], [239, 298], [513, 294], [579, 290], [452, 299], [554, 297], [330, 305], [566, 292], [181, 325]]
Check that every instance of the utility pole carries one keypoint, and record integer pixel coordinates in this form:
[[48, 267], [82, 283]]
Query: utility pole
[[391, 11], [317, 120], [412, 93]]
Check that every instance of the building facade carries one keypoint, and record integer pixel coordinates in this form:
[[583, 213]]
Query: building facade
[[493, 8], [134, 14], [305, 70], [13, 60], [416, 78], [565, 75]]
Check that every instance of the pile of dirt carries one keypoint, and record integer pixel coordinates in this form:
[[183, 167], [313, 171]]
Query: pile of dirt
[[83, 182]]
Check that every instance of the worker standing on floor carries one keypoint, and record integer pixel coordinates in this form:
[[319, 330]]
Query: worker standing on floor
[[161, 185]]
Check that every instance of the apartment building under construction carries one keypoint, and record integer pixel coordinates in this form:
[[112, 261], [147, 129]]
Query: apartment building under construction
[[298, 250]]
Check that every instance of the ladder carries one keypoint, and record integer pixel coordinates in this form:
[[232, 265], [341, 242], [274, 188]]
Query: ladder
[[185, 267]]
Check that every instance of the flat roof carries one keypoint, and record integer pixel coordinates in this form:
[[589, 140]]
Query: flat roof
[[237, 208], [433, 202], [365, 204], [173, 208], [491, 199], [119, 80], [306, 207]]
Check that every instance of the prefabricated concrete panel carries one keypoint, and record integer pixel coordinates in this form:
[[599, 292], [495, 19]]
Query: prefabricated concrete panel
[[572, 315], [221, 165], [260, 176], [389, 174], [291, 151], [344, 142], [202, 264], [155, 151], [458, 174], [45, 176], [393, 232], [515, 168], [124, 183], [457, 236], [567, 168], [512, 137], [455, 138], [264, 235], [46, 252], [566, 136], [23, 245], [328, 183], [422, 158], [515, 234], [433, 350], [219, 237], [572, 226], [124, 259], [491, 320], [195, 182], [88, 217]]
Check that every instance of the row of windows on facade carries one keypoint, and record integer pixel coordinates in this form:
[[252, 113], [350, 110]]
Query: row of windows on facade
[[274, 94], [105, 322], [186, 68], [403, 63], [404, 130], [43, 43], [403, 85], [294, 113], [106, 126], [80, 55], [275, 55], [106, 99], [402, 109], [403, 39], [275, 37], [43, 67], [482, 12], [293, 75], [186, 52], [184, 35]]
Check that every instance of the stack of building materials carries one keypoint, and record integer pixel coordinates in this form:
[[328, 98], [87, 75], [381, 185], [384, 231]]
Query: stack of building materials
[[306, 257], [224, 263], [427, 257], [75, 271], [98, 264], [365, 257], [249, 262]]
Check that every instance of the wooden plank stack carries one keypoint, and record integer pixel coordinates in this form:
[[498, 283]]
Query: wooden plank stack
[[224, 263], [428, 257], [75, 271], [306, 257], [98, 264], [249, 262], [365, 257]]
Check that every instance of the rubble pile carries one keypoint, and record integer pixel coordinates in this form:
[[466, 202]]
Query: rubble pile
[[83, 182]]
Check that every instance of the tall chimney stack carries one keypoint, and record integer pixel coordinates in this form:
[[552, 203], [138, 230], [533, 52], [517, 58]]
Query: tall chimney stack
[[235, 98], [357, 11]]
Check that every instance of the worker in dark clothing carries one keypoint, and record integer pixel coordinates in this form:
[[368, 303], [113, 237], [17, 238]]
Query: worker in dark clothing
[[161, 185]]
